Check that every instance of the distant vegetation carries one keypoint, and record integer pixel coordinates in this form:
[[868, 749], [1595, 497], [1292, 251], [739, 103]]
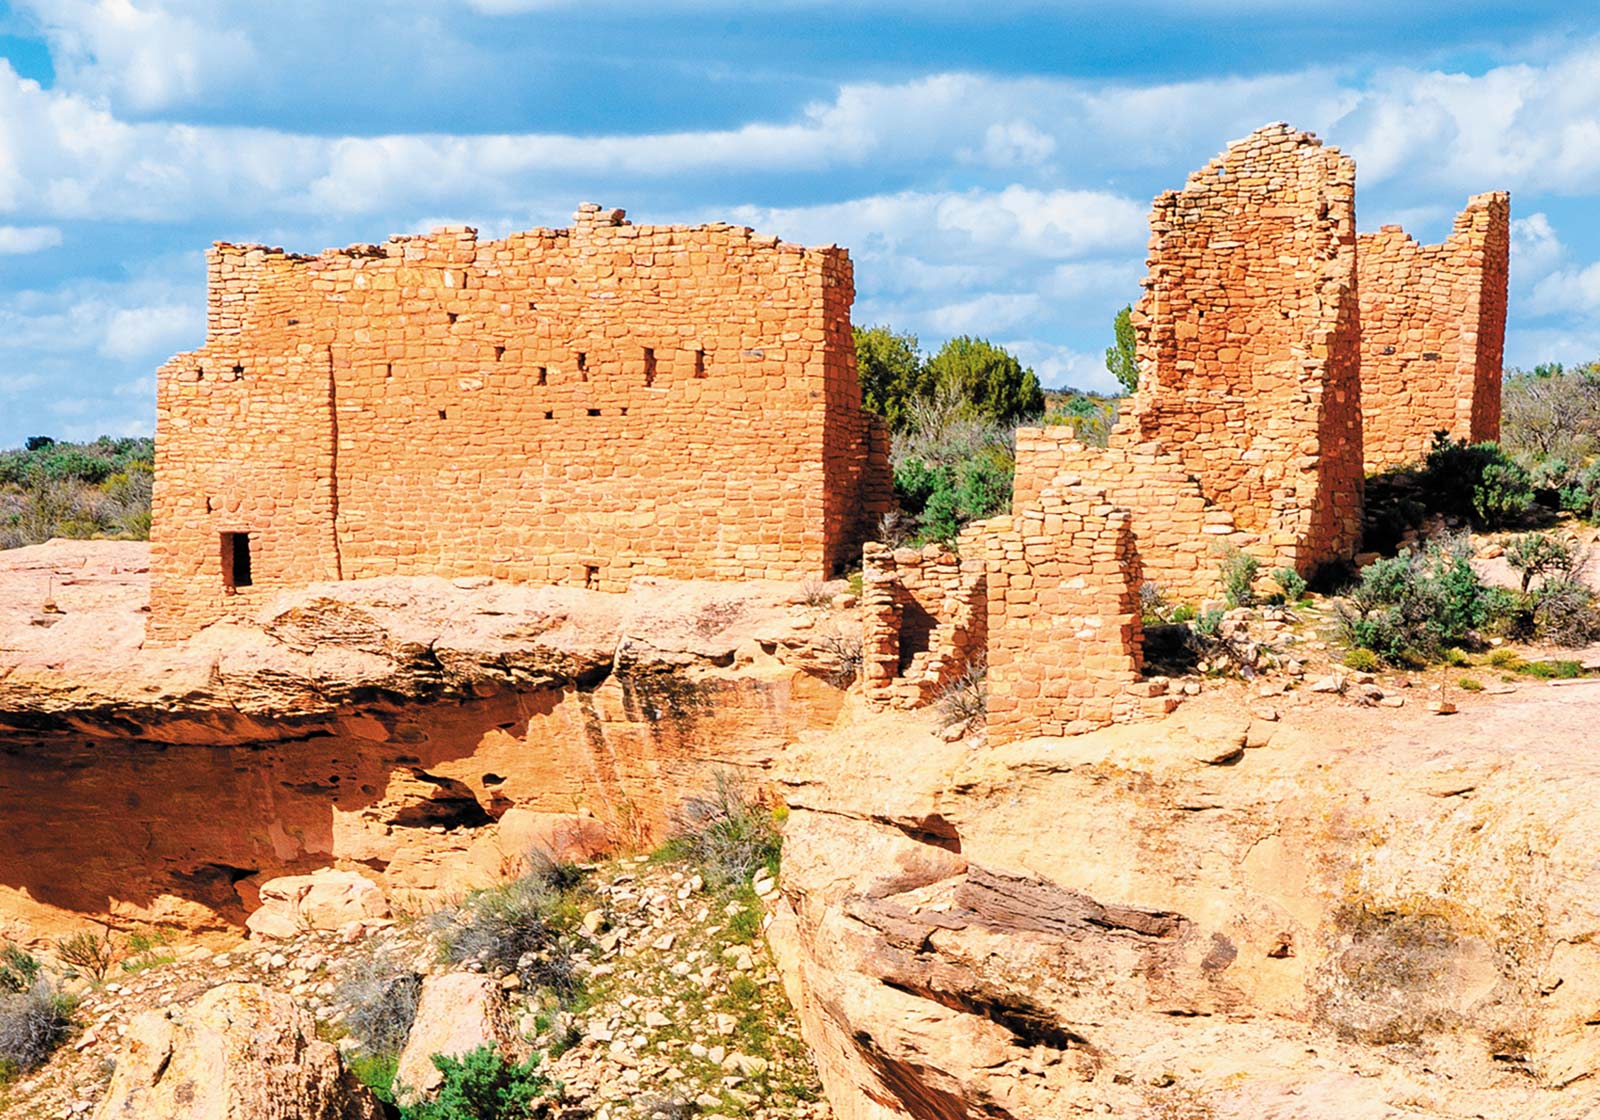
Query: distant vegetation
[[953, 418], [99, 489]]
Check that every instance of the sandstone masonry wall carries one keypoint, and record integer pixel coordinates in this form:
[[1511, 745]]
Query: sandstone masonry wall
[[1179, 534], [1064, 628], [1248, 343], [924, 619], [567, 406], [1433, 320]]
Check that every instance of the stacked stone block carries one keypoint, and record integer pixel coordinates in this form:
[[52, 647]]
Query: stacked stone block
[[924, 619], [566, 406], [1180, 535], [1064, 631], [1248, 343], [1433, 320]]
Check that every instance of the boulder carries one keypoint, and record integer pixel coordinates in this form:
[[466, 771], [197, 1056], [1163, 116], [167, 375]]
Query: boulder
[[326, 899], [239, 1052], [456, 1013]]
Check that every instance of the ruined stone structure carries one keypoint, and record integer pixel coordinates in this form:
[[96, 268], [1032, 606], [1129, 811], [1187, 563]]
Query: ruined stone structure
[[1273, 376], [1433, 320], [565, 406], [925, 619], [1249, 344]]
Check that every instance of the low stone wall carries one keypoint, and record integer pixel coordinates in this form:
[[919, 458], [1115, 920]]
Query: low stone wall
[[924, 620], [1064, 628]]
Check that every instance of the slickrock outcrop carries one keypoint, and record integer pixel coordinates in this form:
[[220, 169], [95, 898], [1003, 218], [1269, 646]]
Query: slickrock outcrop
[[457, 1013], [239, 1052], [422, 732], [324, 900], [1219, 918]]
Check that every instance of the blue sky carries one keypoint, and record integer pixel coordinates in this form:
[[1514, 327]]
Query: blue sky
[[989, 166]]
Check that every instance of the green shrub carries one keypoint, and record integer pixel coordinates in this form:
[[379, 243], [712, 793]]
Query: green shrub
[[1239, 571], [1292, 583], [1419, 604], [483, 1085], [1503, 658], [1208, 623], [1361, 660], [1552, 670], [1477, 481], [1469, 684], [88, 953], [987, 379], [18, 969], [942, 499], [375, 1071], [1183, 612]]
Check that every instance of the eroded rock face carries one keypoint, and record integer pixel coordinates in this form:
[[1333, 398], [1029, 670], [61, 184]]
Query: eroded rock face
[[1212, 918], [325, 900], [239, 1052], [423, 734]]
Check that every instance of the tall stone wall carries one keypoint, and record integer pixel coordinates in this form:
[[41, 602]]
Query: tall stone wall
[[1433, 323], [1064, 629], [566, 406], [1248, 343]]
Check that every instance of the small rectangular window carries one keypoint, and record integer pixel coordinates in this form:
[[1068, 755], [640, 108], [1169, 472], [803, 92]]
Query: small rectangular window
[[549, 416], [591, 575], [649, 367], [583, 360], [235, 560], [699, 363], [594, 412], [544, 376]]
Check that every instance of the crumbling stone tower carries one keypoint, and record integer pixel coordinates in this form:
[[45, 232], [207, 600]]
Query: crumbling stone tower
[[1249, 343], [1433, 326], [565, 406]]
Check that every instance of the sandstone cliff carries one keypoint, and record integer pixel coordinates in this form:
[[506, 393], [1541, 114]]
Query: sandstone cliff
[[1371, 915], [421, 731]]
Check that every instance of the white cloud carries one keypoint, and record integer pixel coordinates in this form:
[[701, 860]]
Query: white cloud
[[153, 332], [28, 239], [1535, 248], [145, 56], [1568, 290]]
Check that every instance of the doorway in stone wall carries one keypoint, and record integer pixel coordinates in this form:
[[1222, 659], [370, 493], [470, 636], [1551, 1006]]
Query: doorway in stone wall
[[236, 561]]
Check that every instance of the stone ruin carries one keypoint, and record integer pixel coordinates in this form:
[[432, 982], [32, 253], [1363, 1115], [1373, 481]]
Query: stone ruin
[[576, 406], [1282, 358]]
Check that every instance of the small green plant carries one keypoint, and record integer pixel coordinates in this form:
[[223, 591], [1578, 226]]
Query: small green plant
[[1361, 660], [1414, 607], [1207, 624], [1536, 555], [1239, 570], [1476, 480], [1292, 583], [376, 1072], [1508, 659], [147, 949], [856, 581], [1470, 684], [1184, 612], [1552, 670], [88, 953], [483, 1085], [18, 969], [1455, 657]]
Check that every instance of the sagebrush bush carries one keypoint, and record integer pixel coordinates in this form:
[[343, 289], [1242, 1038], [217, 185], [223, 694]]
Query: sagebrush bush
[[33, 1022], [1417, 605], [1361, 660], [1292, 584], [18, 969], [1538, 555], [377, 995], [1565, 612], [728, 835], [1239, 570], [88, 953], [99, 489], [964, 700], [524, 926]]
